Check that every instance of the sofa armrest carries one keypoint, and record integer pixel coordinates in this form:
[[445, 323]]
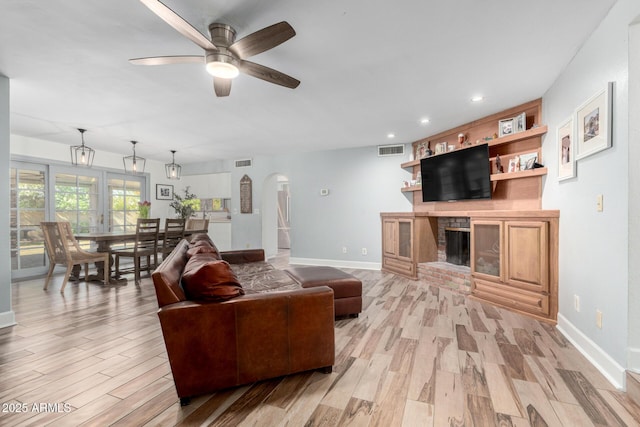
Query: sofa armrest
[[249, 338], [243, 256]]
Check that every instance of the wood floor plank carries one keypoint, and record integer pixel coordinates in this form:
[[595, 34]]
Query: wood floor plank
[[416, 355], [357, 413], [417, 414]]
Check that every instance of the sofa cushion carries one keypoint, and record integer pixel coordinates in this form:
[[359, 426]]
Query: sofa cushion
[[203, 250], [269, 281], [248, 269], [205, 279]]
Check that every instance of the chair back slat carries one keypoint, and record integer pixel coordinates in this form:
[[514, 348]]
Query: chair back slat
[[56, 243], [147, 234], [197, 224], [173, 233]]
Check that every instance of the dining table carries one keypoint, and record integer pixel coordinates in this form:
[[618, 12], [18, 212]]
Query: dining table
[[106, 240]]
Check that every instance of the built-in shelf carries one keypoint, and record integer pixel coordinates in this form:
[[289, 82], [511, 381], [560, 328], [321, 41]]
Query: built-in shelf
[[495, 177], [409, 189], [519, 174], [520, 136]]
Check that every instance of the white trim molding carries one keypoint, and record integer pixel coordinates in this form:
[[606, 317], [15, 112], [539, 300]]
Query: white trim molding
[[360, 265], [8, 318], [608, 367]]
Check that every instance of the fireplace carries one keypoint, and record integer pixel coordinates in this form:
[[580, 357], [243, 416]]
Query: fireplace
[[457, 245]]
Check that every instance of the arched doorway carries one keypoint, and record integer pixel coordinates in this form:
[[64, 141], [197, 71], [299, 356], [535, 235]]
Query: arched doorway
[[276, 203]]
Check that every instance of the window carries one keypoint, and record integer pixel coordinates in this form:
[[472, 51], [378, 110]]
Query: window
[[76, 201], [28, 209], [124, 194]]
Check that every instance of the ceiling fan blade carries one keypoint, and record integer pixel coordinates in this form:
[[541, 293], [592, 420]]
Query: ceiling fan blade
[[179, 24], [222, 87], [165, 60], [262, 40], [268, 74]]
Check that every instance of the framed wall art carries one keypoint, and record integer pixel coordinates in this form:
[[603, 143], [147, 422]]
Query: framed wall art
[[566, 150], [164, 192], [593, 123]]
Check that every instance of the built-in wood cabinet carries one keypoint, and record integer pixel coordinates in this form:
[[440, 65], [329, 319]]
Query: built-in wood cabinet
[[406, 241], [514, 243], [514, 263]]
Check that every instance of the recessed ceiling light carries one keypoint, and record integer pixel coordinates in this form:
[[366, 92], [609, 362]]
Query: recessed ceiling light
[[424, 121], [391, 135], [477, 98]]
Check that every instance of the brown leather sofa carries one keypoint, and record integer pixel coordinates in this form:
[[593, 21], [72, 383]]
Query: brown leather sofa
[[214, 345]]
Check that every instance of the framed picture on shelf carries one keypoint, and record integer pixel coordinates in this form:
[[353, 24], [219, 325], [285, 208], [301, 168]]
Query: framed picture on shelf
[[514, 164], [520, 122], [527, 161], [505, 127], [164, 192], [566, 150], [593, 123], [441, 147]]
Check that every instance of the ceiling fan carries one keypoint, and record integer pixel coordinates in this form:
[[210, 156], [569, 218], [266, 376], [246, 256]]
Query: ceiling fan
[[224, 57]]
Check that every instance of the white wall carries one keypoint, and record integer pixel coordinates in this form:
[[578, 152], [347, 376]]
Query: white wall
[[634, 200], [7, 316], [593, 245], [361, 185]]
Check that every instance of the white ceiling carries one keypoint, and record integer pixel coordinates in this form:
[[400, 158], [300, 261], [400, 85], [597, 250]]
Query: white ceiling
[[367, 68]]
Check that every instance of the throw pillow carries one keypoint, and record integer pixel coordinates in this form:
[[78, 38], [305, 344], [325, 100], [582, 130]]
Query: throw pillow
[[210, 280]]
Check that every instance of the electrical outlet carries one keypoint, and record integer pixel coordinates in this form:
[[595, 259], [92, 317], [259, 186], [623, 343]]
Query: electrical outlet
[[599, 319], [576, 302], [364, 251], [344, 249], [599, 203]]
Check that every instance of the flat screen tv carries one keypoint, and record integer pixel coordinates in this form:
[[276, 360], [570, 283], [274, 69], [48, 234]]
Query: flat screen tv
[[463, 174]]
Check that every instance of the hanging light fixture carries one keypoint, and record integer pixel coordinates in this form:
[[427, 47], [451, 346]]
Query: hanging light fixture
[[82, 155], [134, 164], [173, 170]]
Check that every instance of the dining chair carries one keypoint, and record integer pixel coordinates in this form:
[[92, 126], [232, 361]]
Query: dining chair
[[197, 224], [173, 233], [63, 248], [145, 246]]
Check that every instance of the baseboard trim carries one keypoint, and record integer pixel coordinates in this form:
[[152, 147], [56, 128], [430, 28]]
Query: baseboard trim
[[608, 367], [633, 360], [7, 318], [336, 263]]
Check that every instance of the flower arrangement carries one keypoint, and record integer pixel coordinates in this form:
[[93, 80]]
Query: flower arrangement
[[143, 209], [185, 206]]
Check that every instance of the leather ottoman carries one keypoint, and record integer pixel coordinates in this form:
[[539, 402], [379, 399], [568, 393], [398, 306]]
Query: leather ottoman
[[347, 290]]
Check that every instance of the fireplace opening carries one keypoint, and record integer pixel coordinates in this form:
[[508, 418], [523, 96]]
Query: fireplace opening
[[457, 245]]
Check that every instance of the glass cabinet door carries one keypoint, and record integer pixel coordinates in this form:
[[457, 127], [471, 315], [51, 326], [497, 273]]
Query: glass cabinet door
[[405, 235], [486, 246]]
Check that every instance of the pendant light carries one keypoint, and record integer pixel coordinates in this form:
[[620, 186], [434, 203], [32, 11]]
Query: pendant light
[[173, 170], [134, 165], [82, 155]]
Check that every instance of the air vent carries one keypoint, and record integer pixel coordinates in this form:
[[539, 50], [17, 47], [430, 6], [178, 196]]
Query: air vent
[[244, 163], [390, 150]]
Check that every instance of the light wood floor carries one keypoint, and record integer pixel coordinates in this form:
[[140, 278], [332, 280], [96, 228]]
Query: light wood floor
[[416, 356]]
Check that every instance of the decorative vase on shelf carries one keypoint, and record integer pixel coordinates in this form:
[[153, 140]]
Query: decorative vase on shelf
[[143, 209]]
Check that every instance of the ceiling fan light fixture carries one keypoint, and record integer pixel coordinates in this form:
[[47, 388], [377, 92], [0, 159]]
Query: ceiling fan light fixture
[[222, 65], [82, 155]]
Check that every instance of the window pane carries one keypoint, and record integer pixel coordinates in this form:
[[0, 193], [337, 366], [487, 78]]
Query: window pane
[[27, 210]]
